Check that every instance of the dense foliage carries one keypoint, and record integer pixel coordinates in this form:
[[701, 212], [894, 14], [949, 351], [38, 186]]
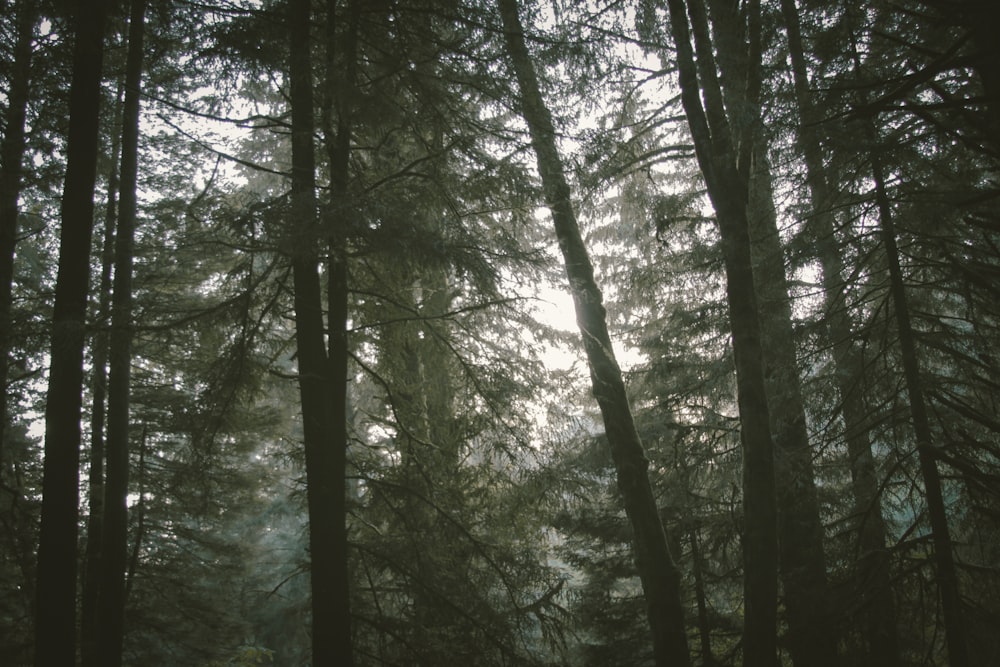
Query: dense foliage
[[330, 341]]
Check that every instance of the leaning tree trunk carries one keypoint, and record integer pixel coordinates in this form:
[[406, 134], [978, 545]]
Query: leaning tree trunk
[[657, 569], [55, 618], [728, 193], [878, 621], [944, 560], [331, 631], [111, 595]]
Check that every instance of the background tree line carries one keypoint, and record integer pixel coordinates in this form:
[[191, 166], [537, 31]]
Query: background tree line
[[279, 386]]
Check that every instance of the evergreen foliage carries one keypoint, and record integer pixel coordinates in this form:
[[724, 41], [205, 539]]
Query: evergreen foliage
[[465, 496]]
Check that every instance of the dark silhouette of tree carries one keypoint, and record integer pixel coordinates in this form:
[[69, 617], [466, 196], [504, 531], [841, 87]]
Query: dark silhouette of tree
[[323, 400], [656, 566], [728, 191], [55, 629], [114, 533]]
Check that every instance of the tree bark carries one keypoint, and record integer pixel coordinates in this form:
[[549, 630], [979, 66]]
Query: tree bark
[[55, 624], [657, 569], [812, 640], [879, 615], [717, 158], [319, 388], [111, 596]]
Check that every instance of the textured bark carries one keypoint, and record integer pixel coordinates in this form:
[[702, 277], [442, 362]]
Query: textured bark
[[878, 618], [11, 159], [111, 596], [802, 558], [321, 390], [718, 160], [657, 569], [55, 624]]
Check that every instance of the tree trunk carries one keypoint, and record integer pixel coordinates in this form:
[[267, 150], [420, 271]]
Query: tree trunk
[[728, 193], [98, 412], [944, 560], [879, 618], [811, 638], [111, 596], [55, 624], [321, 412], [336, 224], [704, 628], [802, 560], [11, 166], [657, 569], [11, 159]]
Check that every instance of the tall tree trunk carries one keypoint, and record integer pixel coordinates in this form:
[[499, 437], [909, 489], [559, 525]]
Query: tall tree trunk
[[11, 160], [55, 624], [728, 193], [111, 596], [331, 632], [944, 560], [98, 412], [879, 618], [11, 166], [802, 559], [657, 569], [811, 637], [338, 145]]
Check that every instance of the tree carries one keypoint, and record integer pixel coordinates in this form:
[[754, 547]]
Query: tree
[[114, 533], [55, 628], [657, 569], [324, 433], [728, 192], [12, 151], [879, 627]]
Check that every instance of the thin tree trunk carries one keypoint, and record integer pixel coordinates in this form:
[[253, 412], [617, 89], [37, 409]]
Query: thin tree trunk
[[331, 635], [11, 167], [338, 145], [140, 515], [11, 161], [704, 628], [55, 625], [111, 597], [944, 560], [728, 193], [879, 620], [98, 412], [657, 569]]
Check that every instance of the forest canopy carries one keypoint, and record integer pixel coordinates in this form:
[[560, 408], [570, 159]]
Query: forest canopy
[[517, 332]]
